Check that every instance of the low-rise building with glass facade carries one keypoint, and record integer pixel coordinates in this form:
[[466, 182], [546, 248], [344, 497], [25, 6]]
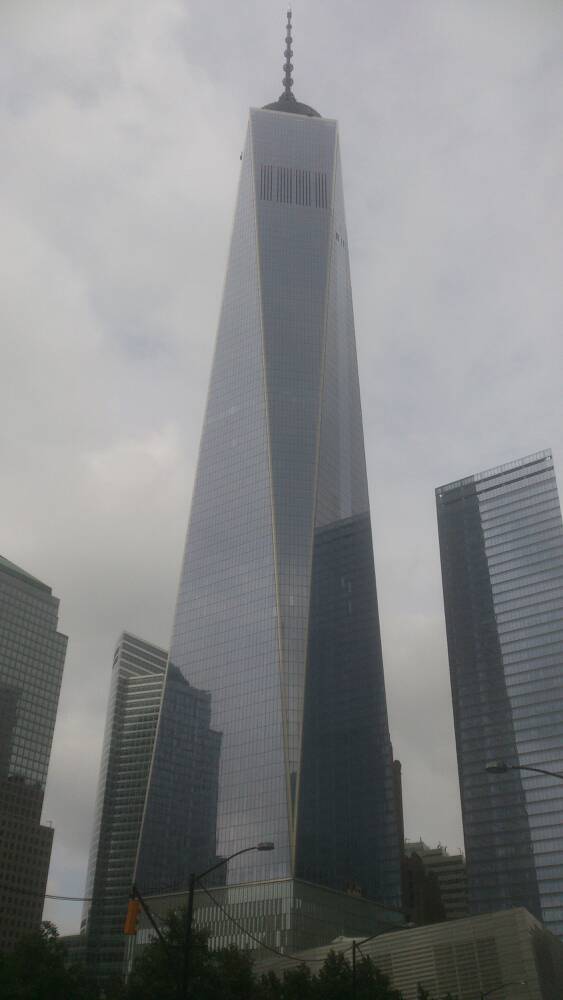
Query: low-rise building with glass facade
[[32, 655], [284, 914], [501, 544]]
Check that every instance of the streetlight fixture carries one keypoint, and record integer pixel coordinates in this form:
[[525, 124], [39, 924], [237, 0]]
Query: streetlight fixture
[[495, 989], [501, 767], [264, 845]]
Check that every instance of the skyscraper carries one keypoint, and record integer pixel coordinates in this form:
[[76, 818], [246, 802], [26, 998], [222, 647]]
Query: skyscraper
[[501, 543], [134, 702], [450, 873], [277, 609], [132, 714], [32, 654]]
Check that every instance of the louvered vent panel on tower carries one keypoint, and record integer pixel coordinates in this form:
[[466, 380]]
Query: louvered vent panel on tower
[[266, 182], [321, 198], [303, 187], [293, 186]]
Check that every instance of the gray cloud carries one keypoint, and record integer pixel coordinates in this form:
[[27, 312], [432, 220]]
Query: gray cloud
[[122, 125]]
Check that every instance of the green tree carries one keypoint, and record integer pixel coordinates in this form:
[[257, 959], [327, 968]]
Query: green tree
[[158, 968], [297, 983], [229, 974], [221, 975], [234, 974], [334, 980], [270, 987], [37, 970], [422, 993], [372, 984]]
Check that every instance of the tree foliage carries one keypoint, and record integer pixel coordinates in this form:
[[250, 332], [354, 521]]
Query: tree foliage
[[220, 975], [37, 970], [229, 974], [422, 993]]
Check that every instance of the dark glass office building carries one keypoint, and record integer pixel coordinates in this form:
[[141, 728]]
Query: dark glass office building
[[32, 655], [132, 714], [277, 609], [501, 543], [189, 752]]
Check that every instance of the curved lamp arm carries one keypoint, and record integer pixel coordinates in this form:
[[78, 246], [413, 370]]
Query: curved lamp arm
[[501, 767]]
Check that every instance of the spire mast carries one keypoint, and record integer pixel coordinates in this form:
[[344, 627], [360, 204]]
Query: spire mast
[[287, 100], [288, 65]]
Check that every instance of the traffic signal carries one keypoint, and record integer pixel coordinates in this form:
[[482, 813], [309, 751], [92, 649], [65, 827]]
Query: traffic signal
[[133, 910]]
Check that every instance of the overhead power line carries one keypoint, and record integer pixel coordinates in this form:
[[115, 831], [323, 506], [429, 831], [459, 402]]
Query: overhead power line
[[267, 947], [45, 895]]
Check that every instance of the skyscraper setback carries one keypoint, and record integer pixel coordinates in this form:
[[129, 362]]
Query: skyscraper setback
[[277, 610], [501, 543]]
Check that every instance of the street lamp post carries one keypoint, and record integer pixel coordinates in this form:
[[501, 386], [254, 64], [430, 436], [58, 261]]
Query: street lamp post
[[263, 846], [501, 767]]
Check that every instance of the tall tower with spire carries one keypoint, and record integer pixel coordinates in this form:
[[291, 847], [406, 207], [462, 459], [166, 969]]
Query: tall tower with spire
[[277, 610]]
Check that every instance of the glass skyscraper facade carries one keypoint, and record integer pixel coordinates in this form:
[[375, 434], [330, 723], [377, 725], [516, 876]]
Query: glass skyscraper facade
[[501, 543], [277, 609], [32, 655], [132, 714], [190, 752]]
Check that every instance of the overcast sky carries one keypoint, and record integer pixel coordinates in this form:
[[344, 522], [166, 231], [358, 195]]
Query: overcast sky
[[121, 124]]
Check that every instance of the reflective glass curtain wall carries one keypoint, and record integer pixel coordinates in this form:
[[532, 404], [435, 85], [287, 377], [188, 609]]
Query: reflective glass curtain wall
[[277, 610], [32, 655], [132, 714], [501, 543]]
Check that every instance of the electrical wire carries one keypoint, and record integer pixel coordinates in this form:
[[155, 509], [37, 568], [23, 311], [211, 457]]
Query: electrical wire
[[267, 947], [45, 895], [70, 899]]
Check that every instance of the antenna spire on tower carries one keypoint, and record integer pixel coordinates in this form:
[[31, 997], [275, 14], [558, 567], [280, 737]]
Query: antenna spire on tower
[[288, 65], [287, 101]]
